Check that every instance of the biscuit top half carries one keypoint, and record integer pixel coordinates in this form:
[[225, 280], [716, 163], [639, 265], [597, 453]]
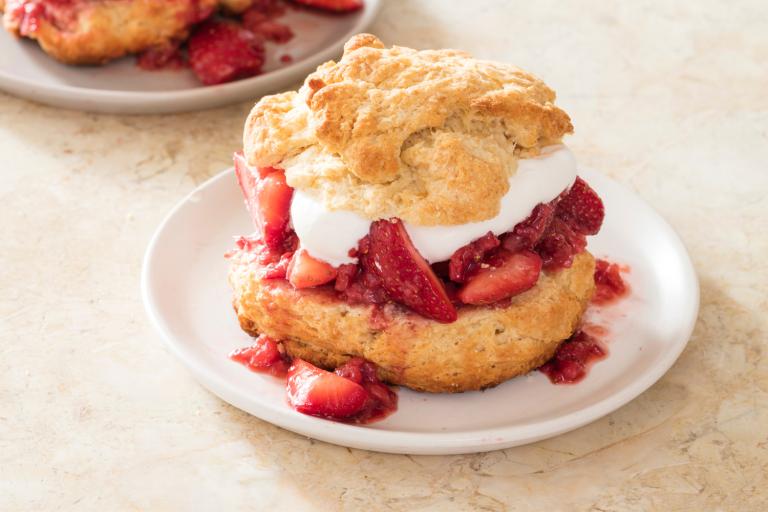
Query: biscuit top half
[[430, 136]]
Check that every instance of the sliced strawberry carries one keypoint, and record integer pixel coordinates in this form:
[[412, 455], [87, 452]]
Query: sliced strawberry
[[304, 271], [268, 199], [466, 258], [273, 196], [507, 274], [247, 179], [333, 5], [222, 51], [581, 208], [320, 393], [404, 273]]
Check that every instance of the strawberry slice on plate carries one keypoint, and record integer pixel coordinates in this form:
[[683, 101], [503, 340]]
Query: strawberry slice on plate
[[222, 51], [404, 273], [317, 392], [304, 271], [505, 275], [333, 5]]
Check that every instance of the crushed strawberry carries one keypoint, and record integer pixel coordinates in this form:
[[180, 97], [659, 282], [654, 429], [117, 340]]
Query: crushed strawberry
[[273, 264], [247, 243], [528, 233], [365, 288], [581, 208], [264, 355], [381, 401], [609, 285], [270, 30], [277, 269], [222, 51], [573, 358], [269, 8], [404, 273], [346, 276], [167, 56], [559, 245], [466, 259], [253, 17]]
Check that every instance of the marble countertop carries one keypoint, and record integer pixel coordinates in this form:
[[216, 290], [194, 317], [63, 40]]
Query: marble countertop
[[669, 98]]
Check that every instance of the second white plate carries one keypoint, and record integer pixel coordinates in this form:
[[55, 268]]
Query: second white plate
[[121, 87], [187, 297]]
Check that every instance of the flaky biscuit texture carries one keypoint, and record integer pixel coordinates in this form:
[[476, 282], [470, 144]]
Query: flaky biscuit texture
[[429, 136]]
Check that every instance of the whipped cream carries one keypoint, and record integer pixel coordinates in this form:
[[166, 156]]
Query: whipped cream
[[329, 235]]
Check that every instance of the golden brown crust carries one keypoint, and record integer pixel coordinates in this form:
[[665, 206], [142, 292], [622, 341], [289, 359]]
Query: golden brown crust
[[430, 136], [97, 32], [484, 347]]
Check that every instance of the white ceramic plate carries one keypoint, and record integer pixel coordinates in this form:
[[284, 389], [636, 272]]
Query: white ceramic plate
[[187, 297], [121, 87]]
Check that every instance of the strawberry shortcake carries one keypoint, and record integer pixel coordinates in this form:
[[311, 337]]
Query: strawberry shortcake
[[97, 31], [416, 210], [220, 40]]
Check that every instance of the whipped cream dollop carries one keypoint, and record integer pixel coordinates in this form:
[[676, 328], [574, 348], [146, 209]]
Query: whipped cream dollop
[[329, 235]]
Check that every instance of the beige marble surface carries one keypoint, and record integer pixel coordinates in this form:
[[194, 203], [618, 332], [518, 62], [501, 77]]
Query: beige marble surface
[[670, 98]]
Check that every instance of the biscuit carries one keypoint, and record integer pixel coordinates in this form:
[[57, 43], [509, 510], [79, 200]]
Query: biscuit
[[483, 347], [97, 32], [428, 136]]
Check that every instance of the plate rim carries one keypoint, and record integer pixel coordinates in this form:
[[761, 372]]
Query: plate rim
[[227, 92], [410, 442]]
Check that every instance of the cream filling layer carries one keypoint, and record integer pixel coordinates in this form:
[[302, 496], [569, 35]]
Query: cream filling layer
[[329, 235]]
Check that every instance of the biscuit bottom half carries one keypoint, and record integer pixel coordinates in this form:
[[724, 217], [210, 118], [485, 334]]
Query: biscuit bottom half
[[484, 347]]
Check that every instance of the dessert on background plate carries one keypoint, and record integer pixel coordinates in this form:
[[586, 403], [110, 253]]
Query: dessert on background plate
[[221, 40], [419, 223]]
